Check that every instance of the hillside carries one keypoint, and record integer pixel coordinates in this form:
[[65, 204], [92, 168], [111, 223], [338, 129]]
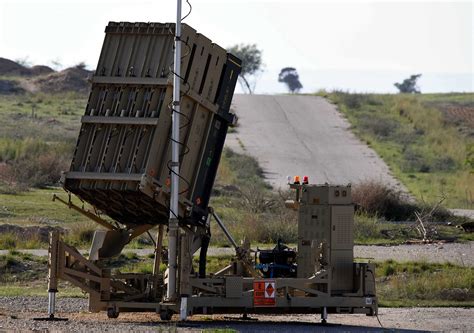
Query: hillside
[[16, 78], [39, 127], [426, 139]]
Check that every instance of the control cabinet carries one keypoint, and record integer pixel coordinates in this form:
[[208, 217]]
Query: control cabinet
[[326, 233]]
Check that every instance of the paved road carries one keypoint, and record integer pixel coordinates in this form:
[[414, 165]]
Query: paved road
[[303, 135], [456, 253]]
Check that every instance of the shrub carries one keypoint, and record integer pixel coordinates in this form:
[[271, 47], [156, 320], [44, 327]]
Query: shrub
[[38, 171], [444, 163], [7, 241], [257, 200], [284, 227], [376, 199], [365, 227], [246, 169], [389, 270], [81, 234], [415, 161], [380, 127]]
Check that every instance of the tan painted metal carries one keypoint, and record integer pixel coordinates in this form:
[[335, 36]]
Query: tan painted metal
[[331, 281], [121, 161], [120, 166]]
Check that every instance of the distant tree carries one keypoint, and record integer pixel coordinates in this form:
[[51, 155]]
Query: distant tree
[[23, 61], [251, 58], [290, 77], [82, 65], [56, 64], [408, 86]]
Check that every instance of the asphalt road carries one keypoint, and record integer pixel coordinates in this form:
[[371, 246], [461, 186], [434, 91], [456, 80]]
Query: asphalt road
[[303, 135]]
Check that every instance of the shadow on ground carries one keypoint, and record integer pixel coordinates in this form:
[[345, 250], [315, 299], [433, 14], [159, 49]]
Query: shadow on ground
[[283, 327]]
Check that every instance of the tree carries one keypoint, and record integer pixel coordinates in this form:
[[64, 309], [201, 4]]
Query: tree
[[290, 77], [81, 65], [251, 58], [408, 86], [25, 61], [56, 64]]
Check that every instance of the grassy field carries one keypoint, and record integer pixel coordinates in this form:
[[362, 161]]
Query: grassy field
[[37, 138], [426, 139], [38, 132], [398, 284], [245, 203]]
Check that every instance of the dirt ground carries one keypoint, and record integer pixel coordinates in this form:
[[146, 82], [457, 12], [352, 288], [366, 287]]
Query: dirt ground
[[18, 313]]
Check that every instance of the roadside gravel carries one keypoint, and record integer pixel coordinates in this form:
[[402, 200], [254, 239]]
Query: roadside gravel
[[455, 253], [17, 313]]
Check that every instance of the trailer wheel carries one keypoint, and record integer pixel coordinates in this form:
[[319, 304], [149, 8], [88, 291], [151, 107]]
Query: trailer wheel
[[166, 315], [112, 313]]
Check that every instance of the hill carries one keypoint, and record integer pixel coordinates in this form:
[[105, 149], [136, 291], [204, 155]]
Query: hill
[[16, 78], [426, 139]]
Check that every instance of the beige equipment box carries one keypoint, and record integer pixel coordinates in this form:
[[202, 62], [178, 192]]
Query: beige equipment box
[[325, 229]]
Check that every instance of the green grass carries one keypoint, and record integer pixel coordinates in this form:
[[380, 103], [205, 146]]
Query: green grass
[[26, 275], [19, 289], [398, 283], [37, 137], [56, 117], [36, 207], [241, 196], [429, 151], [424, 284]]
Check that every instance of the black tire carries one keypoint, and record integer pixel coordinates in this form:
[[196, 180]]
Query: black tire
[[112, 313], [166, 315]]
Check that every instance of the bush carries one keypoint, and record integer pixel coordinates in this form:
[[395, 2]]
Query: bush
[[246, 169], [81, 234], [389, 270], [38, 171], [376, 199], [380, 127], [284, 227], [365, 227], [415, 161], [7, 241], [444, 163]]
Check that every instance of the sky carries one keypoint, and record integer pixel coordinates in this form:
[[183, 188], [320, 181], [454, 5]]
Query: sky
[[356, 46]]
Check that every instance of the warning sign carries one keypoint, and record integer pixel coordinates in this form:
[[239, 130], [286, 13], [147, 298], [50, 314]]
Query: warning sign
[[264, 293]]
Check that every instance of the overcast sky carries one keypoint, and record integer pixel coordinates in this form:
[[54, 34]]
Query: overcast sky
[[357, 46]]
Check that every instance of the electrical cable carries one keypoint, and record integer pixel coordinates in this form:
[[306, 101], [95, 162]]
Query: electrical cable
[[187, 122], [377, 315], [190, 10]]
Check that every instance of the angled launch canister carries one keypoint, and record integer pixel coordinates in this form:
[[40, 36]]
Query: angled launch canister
[[123, 153]]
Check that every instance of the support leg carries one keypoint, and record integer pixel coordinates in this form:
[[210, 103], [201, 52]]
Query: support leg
[[324, 315], [51, 303], [53, 263]]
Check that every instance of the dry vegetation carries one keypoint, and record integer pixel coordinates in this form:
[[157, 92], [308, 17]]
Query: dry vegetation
[[426, 139], [398, 284], [37, 136]]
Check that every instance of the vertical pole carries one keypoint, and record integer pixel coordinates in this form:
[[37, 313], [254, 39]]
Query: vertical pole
[[158, 250], [174, 201], [53, 272], [157, 260]]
